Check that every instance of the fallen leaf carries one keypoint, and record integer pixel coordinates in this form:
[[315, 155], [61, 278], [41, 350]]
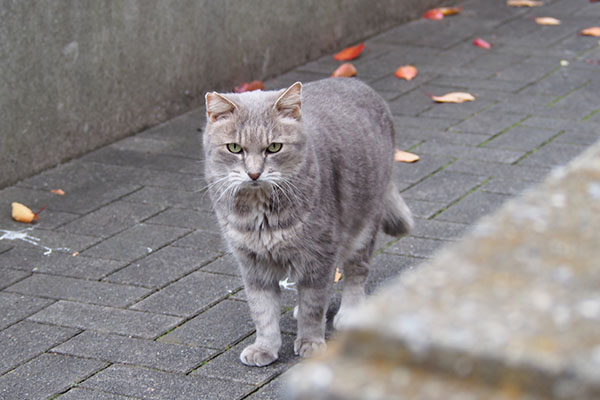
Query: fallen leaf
[[345, 70], [524, 3], [349, 53], [338, 275], [547, 21], [249, 87], [446, 11], [453, 97], [59, 192], [407, 72], [22, 213], [405, 156], [484, 44], [594, 1], [75, 254], [434, 14], [593, 31]]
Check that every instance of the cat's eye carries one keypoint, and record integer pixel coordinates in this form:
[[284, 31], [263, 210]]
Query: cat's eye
[[234, 147], [274, 148]]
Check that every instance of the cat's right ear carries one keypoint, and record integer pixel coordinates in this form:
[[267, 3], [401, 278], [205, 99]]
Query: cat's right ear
[[218, 106]]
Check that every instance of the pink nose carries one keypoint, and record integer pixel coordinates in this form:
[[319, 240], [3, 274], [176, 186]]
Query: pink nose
[[254, 176]]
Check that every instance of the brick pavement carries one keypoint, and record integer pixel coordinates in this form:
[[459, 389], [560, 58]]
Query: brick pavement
[[152, 306]]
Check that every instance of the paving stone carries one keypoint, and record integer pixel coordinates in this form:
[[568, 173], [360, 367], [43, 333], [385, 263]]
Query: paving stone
[[169, 197], [472, 207], [25, 340], [223, 265], [434, 229], [427, 165], [216, 328], [48, 241], [190, 294], [150, 384], [46, 376], [60, 287], [205, 241], [509, 171], [489, 122], [552, 155], [136, 242], [228, 365], [58, 263], [435, 123], [470, 152], [522, 138], [559, 83], [9, 276], [162, 267], [415, 247], [274, 390], [387, 266], [15, 307], [423, 208], [183, 218], [444, 187], [106, 319], [507, 186], [111, 219], [471, 84], [87, 394], [411, 104], [126, 350]]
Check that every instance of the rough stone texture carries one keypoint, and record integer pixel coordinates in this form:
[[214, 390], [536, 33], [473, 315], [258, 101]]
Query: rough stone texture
[[77, 76], [512, 309], [153, 294]]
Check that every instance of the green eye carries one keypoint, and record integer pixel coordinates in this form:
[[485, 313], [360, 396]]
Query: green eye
[[274, 147], [234, 147]]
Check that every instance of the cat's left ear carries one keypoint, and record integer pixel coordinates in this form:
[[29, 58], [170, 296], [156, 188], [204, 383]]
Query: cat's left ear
[[289, 104]]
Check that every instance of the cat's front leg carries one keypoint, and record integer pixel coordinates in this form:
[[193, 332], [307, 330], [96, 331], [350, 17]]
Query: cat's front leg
[[312, 307], [265, 305]]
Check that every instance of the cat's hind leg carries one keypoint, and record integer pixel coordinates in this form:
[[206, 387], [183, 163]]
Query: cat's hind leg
[[356, 271]]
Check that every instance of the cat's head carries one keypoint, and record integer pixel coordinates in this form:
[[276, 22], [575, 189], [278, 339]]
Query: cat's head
[[254, 139]]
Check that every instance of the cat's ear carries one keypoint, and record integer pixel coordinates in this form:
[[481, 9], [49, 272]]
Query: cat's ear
[[218, 106], [289, 104]]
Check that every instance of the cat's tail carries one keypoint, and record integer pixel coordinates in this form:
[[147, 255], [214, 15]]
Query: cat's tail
[[397, 218]]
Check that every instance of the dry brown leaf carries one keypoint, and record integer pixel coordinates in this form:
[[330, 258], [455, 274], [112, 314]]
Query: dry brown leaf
[[22, 213], [592, 31], [338, 275], [349, 53], [453, 97], [75, 254], [547, 21], [407, 72], [405, 156], [59, 192], [524, 3], [345, 70]]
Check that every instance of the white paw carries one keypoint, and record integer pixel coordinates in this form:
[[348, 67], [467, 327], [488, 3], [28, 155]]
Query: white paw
[[256, 356], [308, 347], [295, 313], [341, 319]]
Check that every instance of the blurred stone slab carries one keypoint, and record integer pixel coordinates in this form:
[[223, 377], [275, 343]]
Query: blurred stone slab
[[512, 311]]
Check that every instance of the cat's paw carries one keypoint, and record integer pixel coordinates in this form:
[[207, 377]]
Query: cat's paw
[[341, 319], [308, 347], [256, 356], [295, 313]]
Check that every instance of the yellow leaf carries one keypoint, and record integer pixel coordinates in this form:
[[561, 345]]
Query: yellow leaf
[[345, 70], [407, 72], [59, 192], [593, 31], [453, 97], [547, 21], [22, 213], [404, 156], [524, 3], [338, 275]]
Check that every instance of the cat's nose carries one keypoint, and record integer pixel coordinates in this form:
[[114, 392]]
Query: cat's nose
[[254, 176]]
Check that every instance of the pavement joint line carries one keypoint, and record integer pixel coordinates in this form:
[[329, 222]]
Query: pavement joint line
[[472, 190], [547, 74], [559, 98], [443, 167], [590, 115], [503, 131], [530, 152]]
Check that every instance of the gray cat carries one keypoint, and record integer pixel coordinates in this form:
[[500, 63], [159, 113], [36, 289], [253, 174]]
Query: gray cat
[[300, 180]]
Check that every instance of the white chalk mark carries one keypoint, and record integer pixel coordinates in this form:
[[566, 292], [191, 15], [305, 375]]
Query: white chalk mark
[[24, 236]]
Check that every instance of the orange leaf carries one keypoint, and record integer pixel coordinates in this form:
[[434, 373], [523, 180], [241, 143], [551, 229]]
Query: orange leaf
[[593, 31], [524, 3], [349, 53], [249, 87], [345, 70], [547, 21], [434, 14], [450, 10], [59, 192], [484, 44], [338, 275], [407, 72], [22, 213], [404, 156], [453, 97]]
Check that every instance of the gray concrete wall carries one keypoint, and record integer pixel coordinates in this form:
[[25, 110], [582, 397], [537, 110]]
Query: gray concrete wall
[[77, 74]]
